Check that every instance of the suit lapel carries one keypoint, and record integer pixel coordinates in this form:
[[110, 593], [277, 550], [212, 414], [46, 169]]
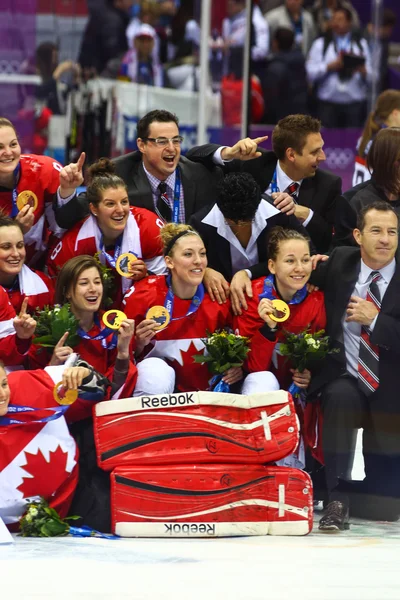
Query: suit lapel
[[141, 186], [391, 297], [189, 192], [348, 282], [306, 193]]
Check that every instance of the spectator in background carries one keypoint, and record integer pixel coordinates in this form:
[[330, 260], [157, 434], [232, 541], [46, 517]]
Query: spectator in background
[[339, 65], [149, 13], [234, 34], [104, 40], [380, 49], [285, 81], [139, 64], [383, 163], [385, 114], [323, 10], [294, 17]]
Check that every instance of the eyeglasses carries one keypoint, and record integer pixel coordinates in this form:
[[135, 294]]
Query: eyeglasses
[[162, 142]]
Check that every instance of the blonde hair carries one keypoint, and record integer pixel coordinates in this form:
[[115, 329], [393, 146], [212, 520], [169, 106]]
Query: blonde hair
[[172, 231], [6, 123], [386, 103]]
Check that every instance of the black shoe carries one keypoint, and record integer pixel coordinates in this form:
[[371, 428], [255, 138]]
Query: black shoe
[[336, 518]]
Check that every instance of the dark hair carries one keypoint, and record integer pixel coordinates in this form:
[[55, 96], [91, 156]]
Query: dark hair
[[386, 103], [6, 123], [347, 12], [44, 59], [280, 234], [70, 273], [102, 177], [380, 205], [238, 197], [284, 38], [389, 18], [383, 159], [292, 132], [159, 116], [6, 221]]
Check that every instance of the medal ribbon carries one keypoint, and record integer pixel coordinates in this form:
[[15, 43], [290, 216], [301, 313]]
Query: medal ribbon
[[194, 305], [274, 184], [14, 207], [270, 292], [112, 260], [104, 333], [57, 412]]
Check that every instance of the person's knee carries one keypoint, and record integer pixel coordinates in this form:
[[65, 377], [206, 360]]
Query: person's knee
[[263, 381], [155, 376]]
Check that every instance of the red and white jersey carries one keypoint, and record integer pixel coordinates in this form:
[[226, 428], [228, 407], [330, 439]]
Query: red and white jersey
[[12, 350], [182, 338], [264, 354], [41, 176], [101, 359], [36, 459], [141, 236], [37, 286]]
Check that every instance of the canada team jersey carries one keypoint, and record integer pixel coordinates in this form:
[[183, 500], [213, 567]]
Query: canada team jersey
[[36, 285], [101, 359], [12, 350], [182, 338], [264, 354], [141, 236], [36, 459], [39, 176]]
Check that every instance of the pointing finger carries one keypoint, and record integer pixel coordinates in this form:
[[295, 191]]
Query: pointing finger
[[259, 140], [24, 306], [61, 341], [81, 161]]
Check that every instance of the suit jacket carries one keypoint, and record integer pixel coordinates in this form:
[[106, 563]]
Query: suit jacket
[[320, 193], [337, 278], [199, 188], [280, 17], [219, 248]]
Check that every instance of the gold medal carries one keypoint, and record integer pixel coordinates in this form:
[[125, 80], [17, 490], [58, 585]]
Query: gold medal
[[27, 197], [117, 316], [64, 396], [159, 315], [281, 312], [124, 262]]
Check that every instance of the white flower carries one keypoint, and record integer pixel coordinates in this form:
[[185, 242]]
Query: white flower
[[312, 342], [33, 512], [28, 518]]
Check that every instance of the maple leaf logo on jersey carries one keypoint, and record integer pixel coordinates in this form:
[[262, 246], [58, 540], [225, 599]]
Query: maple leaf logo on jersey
[[47, 476], [192, 376]]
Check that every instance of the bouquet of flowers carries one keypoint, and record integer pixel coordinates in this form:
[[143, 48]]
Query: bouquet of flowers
[[304, 351], [224, 350], [40, 520], [52, 323]]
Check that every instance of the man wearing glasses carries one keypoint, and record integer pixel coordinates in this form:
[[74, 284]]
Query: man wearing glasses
[[157, 176]]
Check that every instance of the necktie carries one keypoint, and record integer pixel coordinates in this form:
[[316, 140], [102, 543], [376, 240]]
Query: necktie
[[163, 207], [368, 357], [292, 190]]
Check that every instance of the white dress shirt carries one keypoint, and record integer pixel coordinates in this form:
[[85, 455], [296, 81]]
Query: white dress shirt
[[352, 330]]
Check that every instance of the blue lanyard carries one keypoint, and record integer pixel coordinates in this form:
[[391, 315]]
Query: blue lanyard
[[57, 411], [194, 305], [274, 183], [177, 196], [112, 260], [14, 207], [269, 289], [104, 333]]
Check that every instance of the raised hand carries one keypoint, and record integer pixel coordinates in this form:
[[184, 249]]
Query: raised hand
[[24, 324], [137, 269], [245, 149], [61, 352], [125, 334], [26, 218], [71, 177], [73, 376], [266, 308], [145, 332]]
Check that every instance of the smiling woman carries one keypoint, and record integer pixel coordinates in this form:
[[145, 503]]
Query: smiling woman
[[114, 229]]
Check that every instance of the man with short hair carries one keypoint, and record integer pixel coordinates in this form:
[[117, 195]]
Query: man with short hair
[[292, 167], [157, 176], [358, 386], [293, 16]]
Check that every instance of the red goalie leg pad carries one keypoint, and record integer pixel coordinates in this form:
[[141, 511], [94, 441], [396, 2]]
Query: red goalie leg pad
[[196, 427], [211, 501]]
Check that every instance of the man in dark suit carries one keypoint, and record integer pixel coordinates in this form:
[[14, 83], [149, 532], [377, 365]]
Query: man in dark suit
[[292, 167], [358, 386], [235, 230], [157, 176]]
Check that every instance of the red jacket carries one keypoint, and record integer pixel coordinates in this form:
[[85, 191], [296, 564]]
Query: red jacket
[[37, 286], [13, 351]]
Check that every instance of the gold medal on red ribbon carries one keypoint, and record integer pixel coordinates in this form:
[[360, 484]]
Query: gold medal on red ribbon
[[281, 311], [27, 197], [124, 262], [64, 396], [113, 318], [159, 315]]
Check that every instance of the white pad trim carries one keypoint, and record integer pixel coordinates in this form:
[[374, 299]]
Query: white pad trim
[[196, 530]]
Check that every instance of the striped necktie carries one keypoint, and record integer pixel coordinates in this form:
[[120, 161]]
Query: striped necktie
[[292, 190], [368, 357], [163, 208]]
